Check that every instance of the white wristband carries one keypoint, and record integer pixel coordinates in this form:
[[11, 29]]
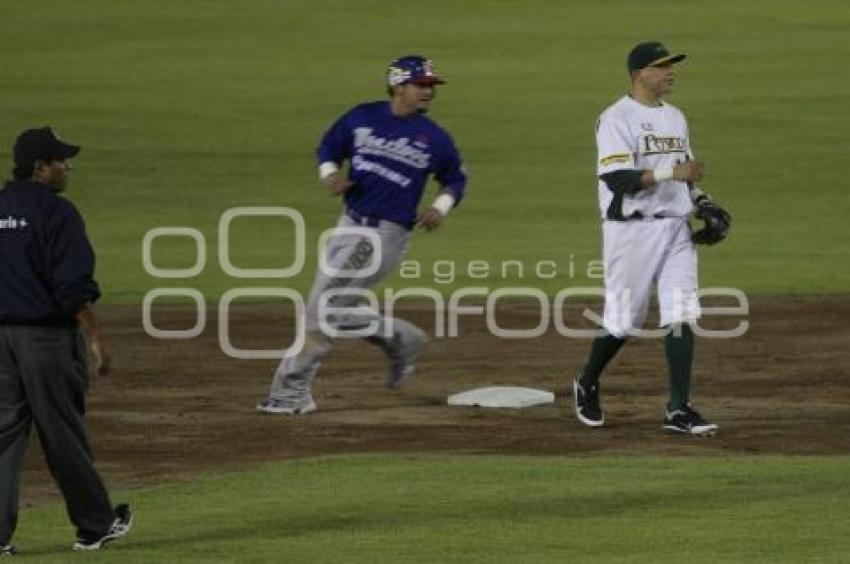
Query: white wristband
[[326, 169], [444, 203], [662, 174]]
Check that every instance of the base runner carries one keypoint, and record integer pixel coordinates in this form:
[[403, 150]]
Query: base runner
[[392, 148]]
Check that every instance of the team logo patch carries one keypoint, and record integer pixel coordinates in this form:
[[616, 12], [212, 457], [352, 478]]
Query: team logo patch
[[397, 75]]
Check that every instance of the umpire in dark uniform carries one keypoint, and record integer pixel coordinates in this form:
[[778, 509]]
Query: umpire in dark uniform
[[46, 295]]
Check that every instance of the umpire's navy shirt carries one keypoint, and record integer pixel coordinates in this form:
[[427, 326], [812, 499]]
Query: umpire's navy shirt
[[46, 259]]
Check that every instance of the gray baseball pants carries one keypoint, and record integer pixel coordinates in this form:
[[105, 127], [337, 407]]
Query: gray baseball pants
[[353, 252]]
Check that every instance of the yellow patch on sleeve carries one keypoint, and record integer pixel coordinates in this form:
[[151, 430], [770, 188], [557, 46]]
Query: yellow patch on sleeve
[[619, 158]]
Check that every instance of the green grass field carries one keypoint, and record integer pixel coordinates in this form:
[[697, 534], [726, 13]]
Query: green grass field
[[187, 109], [366, 509]]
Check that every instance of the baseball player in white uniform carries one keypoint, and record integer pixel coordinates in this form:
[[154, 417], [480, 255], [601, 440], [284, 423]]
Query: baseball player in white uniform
[[646, 172]]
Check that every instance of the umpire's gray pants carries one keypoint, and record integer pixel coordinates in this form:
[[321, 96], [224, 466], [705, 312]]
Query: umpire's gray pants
[[43, 379], [346, 251]]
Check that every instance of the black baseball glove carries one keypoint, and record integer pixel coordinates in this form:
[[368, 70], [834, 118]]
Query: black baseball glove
[[717, 223]]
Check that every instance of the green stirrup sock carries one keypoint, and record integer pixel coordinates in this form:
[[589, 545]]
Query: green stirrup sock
[[603, 350], [680, 356]]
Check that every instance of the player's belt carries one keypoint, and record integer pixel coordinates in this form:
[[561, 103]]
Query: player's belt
[[365, 220], [639, 216], [371, 220]]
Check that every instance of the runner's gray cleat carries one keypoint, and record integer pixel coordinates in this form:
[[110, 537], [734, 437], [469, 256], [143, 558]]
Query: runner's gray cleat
[[295, 404], [403, 359]]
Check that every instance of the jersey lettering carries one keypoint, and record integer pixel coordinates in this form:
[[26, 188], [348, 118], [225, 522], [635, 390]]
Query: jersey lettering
[[360, 163], [400, 149], [655, 145], [13, 223]]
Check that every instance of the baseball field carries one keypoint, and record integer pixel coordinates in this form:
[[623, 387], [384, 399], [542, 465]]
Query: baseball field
[[186, 110]]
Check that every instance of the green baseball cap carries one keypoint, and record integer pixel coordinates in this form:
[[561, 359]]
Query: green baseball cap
[[650, 54]]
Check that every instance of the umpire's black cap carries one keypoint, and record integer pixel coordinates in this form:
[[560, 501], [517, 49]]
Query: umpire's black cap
[[650, 54], [42, 143]]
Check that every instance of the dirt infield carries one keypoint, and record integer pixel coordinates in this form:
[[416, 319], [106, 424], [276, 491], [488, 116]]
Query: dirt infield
[[173, 409]]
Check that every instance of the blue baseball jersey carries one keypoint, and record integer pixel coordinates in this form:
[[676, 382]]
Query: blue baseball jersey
[[390, 160]]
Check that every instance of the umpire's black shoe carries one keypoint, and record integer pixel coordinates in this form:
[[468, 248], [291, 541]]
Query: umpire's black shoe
[[7, 550], [120, 527], [586, 403], [688, 421]]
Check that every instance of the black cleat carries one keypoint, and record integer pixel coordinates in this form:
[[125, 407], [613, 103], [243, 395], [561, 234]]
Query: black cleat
[[120, 527], [586, 403], [689, 422], [7, 550]]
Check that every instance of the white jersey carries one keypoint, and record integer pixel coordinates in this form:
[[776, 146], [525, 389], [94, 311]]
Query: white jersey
[[630, 135]]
